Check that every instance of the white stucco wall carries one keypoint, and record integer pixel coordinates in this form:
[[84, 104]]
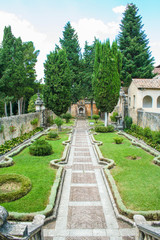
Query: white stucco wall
[[139, 96]]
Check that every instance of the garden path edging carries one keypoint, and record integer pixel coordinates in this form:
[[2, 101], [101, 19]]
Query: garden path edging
[[118, 205], [54, 190]]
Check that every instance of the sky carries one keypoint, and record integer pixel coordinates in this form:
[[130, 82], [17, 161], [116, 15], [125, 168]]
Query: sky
[[43, 21]]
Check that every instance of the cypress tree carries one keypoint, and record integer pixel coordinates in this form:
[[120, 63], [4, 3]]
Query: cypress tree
[[71, 45], [137, 61], [57, 89], [106, 79]]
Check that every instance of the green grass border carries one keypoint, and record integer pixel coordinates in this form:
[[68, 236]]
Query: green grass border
[[149, 215], [52, 198]]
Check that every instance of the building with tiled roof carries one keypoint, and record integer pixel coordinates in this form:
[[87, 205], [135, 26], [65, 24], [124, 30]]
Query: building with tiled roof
[[157, 70], [143, 94]]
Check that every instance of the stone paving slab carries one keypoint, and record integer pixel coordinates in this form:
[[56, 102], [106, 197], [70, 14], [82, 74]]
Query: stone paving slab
[[83, 178], [86, 218], [84, 194], [82, 159], [83, 167]]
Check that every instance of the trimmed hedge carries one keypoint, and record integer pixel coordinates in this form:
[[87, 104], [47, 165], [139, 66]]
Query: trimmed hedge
[[102, 129], [14, 195], [40, 148]]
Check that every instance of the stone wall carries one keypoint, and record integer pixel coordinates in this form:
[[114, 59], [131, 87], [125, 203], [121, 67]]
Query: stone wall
[[148, 119], [22, 124], [74, 109]]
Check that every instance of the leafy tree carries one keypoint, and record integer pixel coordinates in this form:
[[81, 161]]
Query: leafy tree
[[87, 73], [137, 61], [30, 59], [57, 89], [70, 43], [106, 79], [6, 66]]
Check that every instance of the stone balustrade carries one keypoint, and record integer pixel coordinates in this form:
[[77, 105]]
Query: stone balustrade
[[20, 231], [144, 231]]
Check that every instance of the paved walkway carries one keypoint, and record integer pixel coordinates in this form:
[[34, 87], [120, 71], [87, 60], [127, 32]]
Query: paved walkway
[[85, 211]]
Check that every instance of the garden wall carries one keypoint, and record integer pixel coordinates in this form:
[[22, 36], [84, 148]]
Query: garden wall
[[22, 124], [148, 119]]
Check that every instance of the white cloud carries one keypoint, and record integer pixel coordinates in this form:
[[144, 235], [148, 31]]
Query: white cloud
[[87, 29], [24, 29], [119, 9], [155, 48]]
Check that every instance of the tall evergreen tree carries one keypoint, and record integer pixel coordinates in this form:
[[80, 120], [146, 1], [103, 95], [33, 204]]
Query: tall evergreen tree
[[87, 73], [137, 60], [106, 78], [57, 89], [6, 67], [70, 43]]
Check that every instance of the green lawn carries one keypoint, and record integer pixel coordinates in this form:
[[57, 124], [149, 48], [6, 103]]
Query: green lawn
[[70, 123], [99, 123], [138, 181], [40, 173]]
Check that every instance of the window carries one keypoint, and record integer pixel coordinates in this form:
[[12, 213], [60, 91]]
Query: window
[[147, 102], [129, 101], [158, 102], [134, 101]]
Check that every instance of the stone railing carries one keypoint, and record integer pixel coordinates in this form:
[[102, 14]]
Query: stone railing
[[23, 231], [145, 231]]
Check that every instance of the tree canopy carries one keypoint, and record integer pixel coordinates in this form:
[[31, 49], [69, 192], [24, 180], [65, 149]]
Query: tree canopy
[[70, 43], [137, 61], [106, 78], [57, 89]]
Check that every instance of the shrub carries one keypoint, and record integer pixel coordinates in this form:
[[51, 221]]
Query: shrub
[[8, 145], [67, 117], [52, 134], [133, 127], [118, 140], [147, 132], [110, 128], [156, 137], [34, 121], [40, 148], [96, 117], [128, 122], [58, 121], [1, 128], [89, 117], [113, 117], [24, 188], [12, 128], [101, 129], [50, 120]]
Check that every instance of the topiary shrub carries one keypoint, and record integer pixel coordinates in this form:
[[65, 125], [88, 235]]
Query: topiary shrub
[[58, 121], [113, 117], [128, 122], [52, 136], [110, 128], [118, 140], [40, 148], [101, 129], [96, 117], [67, 117], [13, 187]]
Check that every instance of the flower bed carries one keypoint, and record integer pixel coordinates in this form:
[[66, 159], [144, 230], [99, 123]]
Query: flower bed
[[10, 144]]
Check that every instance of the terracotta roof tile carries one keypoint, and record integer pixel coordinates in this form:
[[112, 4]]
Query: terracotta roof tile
[[147, 83], [156, 70]]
